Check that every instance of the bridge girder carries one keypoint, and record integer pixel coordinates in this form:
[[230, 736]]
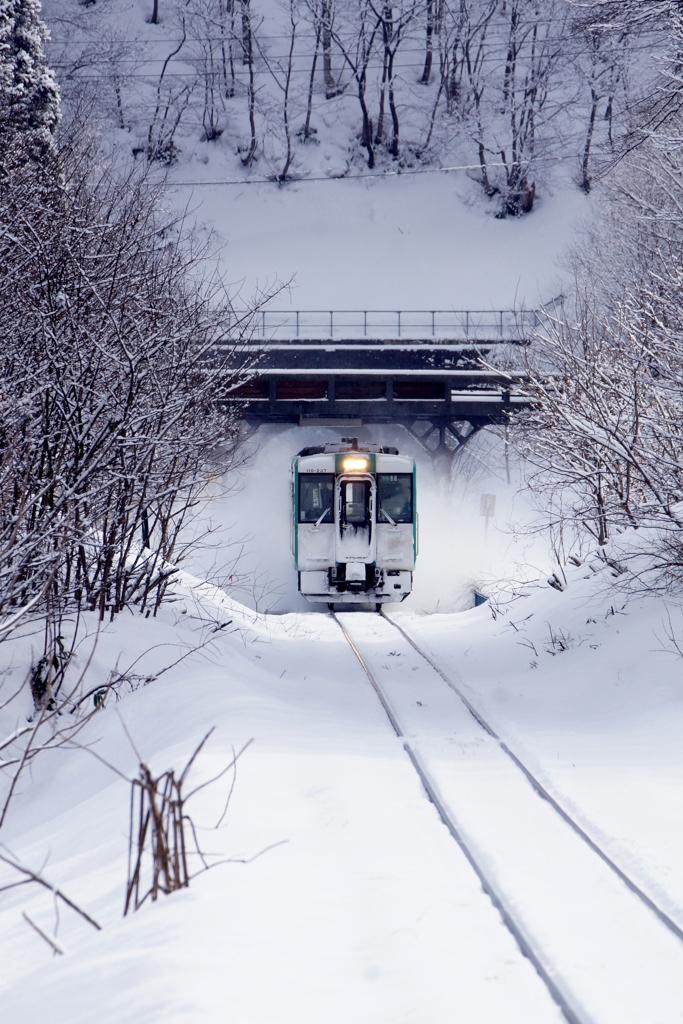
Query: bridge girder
[[442, 390]]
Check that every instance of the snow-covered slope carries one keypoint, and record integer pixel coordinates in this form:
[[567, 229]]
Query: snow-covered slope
[[420, 238], [422, 242]]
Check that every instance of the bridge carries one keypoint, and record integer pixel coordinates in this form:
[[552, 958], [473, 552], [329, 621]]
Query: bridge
[[439, 373]]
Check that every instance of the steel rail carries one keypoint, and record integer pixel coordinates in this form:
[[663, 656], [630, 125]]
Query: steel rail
[[525, 947], [540, 789]]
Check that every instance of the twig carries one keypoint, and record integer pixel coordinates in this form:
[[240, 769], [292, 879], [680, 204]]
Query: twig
[[220, 775], [34, 877], [241, 860], [54, 945]]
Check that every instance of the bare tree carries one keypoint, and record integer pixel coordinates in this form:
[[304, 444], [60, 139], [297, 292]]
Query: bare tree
[[464, 80], [601, 61], [605, 431], [393, 21], [534, 45], [110, 379], [432, 28], [211, 49], [171, 103], [281, 71], [357, 49]]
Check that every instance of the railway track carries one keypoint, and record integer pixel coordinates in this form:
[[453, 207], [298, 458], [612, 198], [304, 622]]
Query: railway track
[[579, 918]]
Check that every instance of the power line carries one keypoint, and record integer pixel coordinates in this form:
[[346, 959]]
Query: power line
[[335, 177], [337, 50], [238, 37], [568, 54], [111, 68], [218, 72]]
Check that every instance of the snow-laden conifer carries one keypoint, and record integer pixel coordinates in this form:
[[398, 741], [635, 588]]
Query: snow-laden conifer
[[29, 95]]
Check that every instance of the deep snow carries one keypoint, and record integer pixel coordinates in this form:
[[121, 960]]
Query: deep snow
[[369, 911], [408, 242]]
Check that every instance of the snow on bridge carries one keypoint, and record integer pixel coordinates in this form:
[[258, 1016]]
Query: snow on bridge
[[441, 325], [440, 373]]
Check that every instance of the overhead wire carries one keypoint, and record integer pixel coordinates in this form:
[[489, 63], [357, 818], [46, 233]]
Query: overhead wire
[[273, 179], [192, 60]]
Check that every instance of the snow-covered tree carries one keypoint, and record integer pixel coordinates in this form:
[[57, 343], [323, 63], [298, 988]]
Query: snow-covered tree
[[604, 432], [29, 95], [109, 382]]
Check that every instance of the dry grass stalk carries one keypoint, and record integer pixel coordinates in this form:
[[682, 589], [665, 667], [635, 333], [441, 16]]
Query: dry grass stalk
[[157, 829], [160, 831]]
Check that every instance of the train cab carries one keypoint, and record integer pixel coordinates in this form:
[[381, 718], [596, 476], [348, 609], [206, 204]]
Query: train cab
[[355, 527]]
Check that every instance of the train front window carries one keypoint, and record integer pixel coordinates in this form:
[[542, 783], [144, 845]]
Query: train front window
[[355, 501], [316, 497], [394, 497]]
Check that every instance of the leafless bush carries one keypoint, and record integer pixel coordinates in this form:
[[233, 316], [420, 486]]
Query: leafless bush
[[55, 723], [110, 376], [158, 823]]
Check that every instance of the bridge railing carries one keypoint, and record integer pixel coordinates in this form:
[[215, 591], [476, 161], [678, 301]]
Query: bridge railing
[[396, 325]]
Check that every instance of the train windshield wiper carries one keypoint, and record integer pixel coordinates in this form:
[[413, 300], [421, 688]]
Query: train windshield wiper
[[322, 517], [384, 512]]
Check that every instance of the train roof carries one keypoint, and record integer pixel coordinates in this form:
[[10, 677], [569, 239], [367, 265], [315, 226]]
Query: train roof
[[347, 444]]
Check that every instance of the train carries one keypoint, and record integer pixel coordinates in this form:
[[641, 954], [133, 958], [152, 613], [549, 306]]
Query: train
[[354, 523]]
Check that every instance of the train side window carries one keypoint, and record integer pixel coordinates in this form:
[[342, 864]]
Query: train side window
[[395, 497], [316, 497]]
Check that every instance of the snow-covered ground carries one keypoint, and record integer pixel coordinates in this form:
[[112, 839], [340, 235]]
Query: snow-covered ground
[[368, 911], [590, 686], [344, 898], [428, 241]]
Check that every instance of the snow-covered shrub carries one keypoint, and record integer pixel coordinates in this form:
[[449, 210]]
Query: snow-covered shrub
[[108, 385]]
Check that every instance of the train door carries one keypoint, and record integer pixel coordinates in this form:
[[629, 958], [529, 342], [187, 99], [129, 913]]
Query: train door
[[395, 520], [355, 539]]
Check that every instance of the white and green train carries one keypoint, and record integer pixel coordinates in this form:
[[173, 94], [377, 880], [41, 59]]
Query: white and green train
[[355, 528]]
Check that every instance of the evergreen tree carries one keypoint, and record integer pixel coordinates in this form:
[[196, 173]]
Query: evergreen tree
[[29, 95]]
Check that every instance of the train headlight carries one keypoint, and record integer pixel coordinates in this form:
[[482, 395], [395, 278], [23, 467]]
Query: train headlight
[[357, 464]]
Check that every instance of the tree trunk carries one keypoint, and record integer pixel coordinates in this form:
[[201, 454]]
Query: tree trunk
[[331, 89], [585, 176], [426, 74], [393, 109]]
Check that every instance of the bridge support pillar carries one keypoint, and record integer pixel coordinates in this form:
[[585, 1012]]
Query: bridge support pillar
[[452, 438]]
